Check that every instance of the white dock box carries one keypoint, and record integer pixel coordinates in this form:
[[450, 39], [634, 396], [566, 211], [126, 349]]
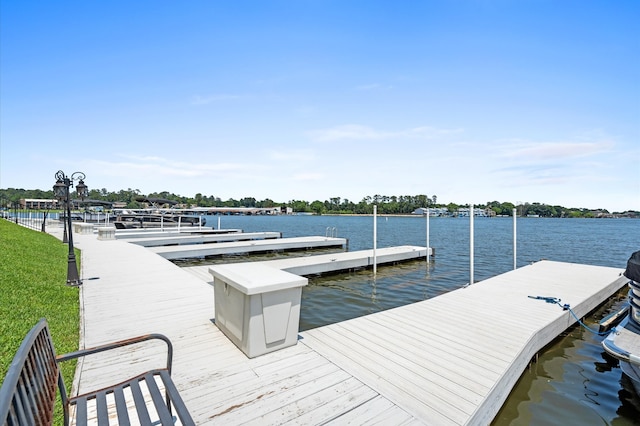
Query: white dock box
[[83, 228], [257, 307]]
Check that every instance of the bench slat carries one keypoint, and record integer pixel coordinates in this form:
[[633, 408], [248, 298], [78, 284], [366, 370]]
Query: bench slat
[[121, 407], [81, 411], [43, 374], [141, 406], [159, 402], [25, 416], [27, 400], [176, 399], [102, 409]]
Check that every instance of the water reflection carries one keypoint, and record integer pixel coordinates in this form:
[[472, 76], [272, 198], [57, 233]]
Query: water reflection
[[571, 383]]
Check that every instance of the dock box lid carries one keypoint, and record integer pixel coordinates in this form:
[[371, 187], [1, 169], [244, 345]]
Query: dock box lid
[[256, 278]]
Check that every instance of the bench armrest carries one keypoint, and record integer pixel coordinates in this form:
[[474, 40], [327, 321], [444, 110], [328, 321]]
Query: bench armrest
[[113, 345]]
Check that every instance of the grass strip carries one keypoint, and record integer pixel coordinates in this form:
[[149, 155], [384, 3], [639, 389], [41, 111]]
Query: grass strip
[[33, 276]]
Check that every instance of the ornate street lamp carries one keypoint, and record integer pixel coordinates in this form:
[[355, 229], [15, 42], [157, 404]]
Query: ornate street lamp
[[61, 192]]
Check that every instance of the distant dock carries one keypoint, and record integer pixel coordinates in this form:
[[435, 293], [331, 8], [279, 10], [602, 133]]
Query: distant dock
[[327, 263], [170, 231], [217, 249], [181, 238]]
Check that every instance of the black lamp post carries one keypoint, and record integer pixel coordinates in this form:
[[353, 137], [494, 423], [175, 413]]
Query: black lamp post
[[61, 192]]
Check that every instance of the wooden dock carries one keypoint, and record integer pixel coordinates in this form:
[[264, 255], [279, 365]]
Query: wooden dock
[[326, 263], [217, 249], [450, 360], [181, 239]]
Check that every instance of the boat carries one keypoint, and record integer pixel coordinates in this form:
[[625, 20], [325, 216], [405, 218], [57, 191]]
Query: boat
[[93, 211], [159, 219], [623, 343], [156, 216], [88, 217]]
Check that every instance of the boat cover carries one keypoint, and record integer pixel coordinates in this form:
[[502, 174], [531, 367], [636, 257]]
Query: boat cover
[[633, 267]]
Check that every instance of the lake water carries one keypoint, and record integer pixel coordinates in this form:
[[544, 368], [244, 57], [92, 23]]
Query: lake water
[[573, 381]]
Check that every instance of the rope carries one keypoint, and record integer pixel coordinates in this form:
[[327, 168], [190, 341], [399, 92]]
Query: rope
[[567, 307]]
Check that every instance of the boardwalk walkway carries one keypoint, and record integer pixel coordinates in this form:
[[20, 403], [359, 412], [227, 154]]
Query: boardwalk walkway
[[450, 360]]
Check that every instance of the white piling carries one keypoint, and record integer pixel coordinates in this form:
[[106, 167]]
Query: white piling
[[471, 244], [375, 238], [218, 222], [514, 239], [428, 235]]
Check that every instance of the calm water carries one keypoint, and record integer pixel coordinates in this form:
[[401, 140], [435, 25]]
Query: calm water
[[573, 382]]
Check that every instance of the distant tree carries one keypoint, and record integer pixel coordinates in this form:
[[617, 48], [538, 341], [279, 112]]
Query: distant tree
[[317, 207], [248, 202], [231, 203], [266, 203], [299, 206]]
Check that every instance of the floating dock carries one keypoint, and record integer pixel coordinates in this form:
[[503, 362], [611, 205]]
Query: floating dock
[[169, 231], [326, 263], [449, 360], [180, 239], [217, 249]]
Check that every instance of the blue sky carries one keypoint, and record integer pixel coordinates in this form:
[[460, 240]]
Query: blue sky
[[473, 101]]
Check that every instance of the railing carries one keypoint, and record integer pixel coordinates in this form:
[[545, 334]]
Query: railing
[[33, 219], [331, 232], [40, 219]]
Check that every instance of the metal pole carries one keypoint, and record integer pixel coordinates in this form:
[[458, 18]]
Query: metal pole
[[514, 238], [65, 235], [428, 247], [72, 268], [471, 244], [375, 238], [44, 221]]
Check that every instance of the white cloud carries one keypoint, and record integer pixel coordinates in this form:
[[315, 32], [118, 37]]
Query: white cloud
[[360, 132], [309, 176], [347, 131], [554, 150], [159, 167]]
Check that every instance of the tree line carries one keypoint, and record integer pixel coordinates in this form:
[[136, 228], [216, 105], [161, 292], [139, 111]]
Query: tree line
[[403, 204]]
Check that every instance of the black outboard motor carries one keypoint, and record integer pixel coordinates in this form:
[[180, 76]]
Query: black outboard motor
[[633, 273]]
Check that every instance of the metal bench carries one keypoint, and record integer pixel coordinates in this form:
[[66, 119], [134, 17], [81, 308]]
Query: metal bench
[[28, 393]]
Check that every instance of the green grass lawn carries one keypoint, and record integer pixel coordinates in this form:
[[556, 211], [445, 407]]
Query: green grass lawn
[[33, 276]]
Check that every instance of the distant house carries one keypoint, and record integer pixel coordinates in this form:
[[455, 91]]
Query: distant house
[[38, 204], [433, 212], [464, 212]]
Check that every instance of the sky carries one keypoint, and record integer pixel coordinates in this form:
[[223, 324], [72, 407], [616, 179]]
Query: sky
[[471, 101]]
